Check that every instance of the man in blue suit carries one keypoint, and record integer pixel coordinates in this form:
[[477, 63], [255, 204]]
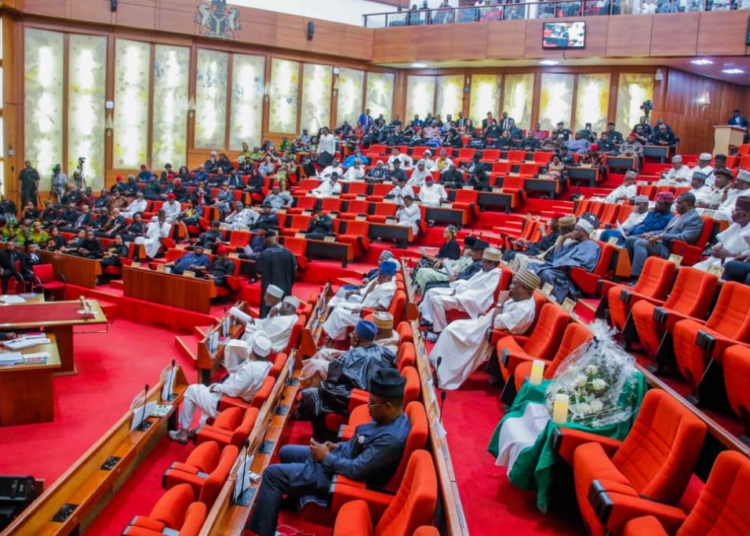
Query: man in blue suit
[[739, 120], [686, 227], [366, 119]]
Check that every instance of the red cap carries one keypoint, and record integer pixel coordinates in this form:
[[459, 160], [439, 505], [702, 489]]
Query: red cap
[[594, 147], [178, 181], [222, 250], [119, 178], [170, 175], [632, 135], [170, 196], [143, 167]]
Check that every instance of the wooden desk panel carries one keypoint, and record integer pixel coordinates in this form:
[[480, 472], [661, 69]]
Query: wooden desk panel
[[76, 270], [167, 289]]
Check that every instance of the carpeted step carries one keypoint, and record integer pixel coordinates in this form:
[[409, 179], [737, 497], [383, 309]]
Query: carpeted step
[[200, 331], [110, 309], [188, 345], [118, 284]]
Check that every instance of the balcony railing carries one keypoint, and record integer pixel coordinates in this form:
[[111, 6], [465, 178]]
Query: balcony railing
[[515, 10]]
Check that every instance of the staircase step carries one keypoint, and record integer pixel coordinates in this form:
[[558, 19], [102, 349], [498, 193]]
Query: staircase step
[[188, 345], [117, 283], [110, 309]]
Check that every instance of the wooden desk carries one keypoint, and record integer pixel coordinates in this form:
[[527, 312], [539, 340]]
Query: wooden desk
[[57, 318], [93, 480], [75, 270], [391, 231], [178, 291], [549, 187], [621, 162], [656, 151], [445, 215], [26, 393], [496, 199], [589, 174], [330, 250]]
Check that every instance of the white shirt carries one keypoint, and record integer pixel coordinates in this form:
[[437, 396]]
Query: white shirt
[[634, 219], [406, 161], [418, 176], [354, 174], [477, 293], [733, 238], [246, 382], [327, 189], [410, 217], [702, 195], [727, 207], [379, 294], [621, 192], [135, 207], [432, 195], [277, 328], [399, 193], [516, 316], [676, 177], [171, 209], [244, 218], [330, 169], [708, 170], [429, 164], [327, 144]]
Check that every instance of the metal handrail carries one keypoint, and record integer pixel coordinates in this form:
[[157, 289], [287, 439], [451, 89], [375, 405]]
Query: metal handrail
[[516, 10]]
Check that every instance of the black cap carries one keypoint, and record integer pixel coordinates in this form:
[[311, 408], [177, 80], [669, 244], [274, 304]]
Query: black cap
[[270, 233], [725, 172], [387, 383], [469, 241], [480, 245], [28, 242]]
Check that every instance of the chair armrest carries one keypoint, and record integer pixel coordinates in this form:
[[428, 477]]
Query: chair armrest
[[566, 440], [714, 344], [614, 510], [603, 286], [355, 520], [644, 525], [143, 522], [358, 398], [377, 502]]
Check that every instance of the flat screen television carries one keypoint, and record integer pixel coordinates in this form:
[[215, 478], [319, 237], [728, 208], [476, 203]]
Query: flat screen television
[[563, 35]]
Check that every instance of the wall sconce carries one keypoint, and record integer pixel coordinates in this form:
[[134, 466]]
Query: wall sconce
[[266, 92], [109, 126], [191, 106], [704, 101]]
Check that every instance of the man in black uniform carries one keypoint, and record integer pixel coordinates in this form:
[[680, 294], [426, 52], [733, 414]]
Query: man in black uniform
[[116, 251], [8, 258], [29, 179], [277, 266], [221, 268], [266, 218], [320, 225]]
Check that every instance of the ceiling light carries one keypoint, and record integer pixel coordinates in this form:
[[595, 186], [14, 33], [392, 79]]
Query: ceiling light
[[548, 62], [701, 62], [419, 65], [732, 71]]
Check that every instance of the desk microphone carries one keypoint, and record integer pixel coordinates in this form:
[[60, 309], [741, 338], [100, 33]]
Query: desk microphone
[[144, 425], [443, 392], [170, 378], [243, 469]]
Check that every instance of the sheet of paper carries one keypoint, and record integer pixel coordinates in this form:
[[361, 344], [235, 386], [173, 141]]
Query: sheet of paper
[[12, 300], [11, 358], [140, 414]]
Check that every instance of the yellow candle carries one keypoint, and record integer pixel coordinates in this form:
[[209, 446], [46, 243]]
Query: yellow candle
[[560, 409], [537, 371]]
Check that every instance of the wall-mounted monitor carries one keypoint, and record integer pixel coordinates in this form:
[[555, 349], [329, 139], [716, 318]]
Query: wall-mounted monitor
[[563, 35]]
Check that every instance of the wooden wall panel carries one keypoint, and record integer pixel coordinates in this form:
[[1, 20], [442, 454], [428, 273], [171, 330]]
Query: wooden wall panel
[[261, 29], [136, 14], [675, 36], [505, 39], [358, 42], [629, 35], [401, 43], [327, 39], [49, 8], [468, 41], [717, 34]]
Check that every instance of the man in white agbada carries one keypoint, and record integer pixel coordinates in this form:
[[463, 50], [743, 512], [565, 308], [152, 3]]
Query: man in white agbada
[[172, 209], [345, 311], [139, 204], [722, 188], [704, 166], [396, 154], [354, 173], [626, 191], [431, 194], [335, 167], [678, 176], [400, 191], [464, 347], [277, 326], [244, 383], [330, 187], [409, 215], [702, 193], [315, 369], [741, 189], [419, 175], [429, 163], [732, 242], [241, 216], [273, 299], [157, 229], [473, 296]]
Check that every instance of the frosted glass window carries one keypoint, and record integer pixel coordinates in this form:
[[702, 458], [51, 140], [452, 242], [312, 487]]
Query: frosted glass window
[[556, 100], [316, 96], [420, 96], [484, 96], [133, 76], [43, 120], [170, 119], [518, 97], [633, 89], [351, 86], [592, 101], [248, 84], [284, 96], [450, 95], [211, 99], [379, 97], [87, 82]]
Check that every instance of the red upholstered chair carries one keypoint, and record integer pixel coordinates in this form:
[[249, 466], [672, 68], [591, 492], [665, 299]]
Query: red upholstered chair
[[690, 297], [695, 343], [405, 331], [736, 365], [516, 156], [691, 253], [296, 333], [278, 365], [354, 189], [259, 399], [411, 507], [298, 246], [587, 281], [654, 283], [655, 460], [541, 344], [176, 510], [231, 427], [466, 200], [575, 335], [44, 275], [721, 507], [407, 355], [609, 214], [427, 531], [205, 470], [357, 234]]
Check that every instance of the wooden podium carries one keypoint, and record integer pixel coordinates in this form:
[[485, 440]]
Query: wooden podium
[[726, 136]]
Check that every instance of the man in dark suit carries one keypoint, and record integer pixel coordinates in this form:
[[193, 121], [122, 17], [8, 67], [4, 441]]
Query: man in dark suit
[[686, 227], [506, 122], [8, 258], [738, 120]]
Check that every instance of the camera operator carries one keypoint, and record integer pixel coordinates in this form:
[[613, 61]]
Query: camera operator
[[59, 183]]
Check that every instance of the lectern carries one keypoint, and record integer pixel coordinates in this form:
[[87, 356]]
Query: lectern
[[726, 136]]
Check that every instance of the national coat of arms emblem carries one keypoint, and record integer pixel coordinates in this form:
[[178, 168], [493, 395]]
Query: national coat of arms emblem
[[214, 19]]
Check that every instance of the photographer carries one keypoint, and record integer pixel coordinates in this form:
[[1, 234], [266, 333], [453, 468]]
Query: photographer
[[59, 183]]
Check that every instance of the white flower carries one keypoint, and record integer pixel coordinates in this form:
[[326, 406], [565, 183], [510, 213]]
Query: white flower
[[580, 380], [583, 408], [598, 384], [596, 406], [591, 370]]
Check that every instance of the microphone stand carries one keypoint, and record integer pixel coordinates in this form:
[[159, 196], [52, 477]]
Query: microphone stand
[[144, 424], [170, 378], [443, 392]]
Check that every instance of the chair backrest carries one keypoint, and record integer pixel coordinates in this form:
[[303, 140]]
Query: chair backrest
[[265, 391], [239, 238], [542, 157], [358, 228], [413, 385], [417, 438], [575, 335], [692, 293], [298, 246], [296, 332], [731, 315], [356, 188], [171, 508], [386, 209], [242, 432], [609, 213], [722, 504], [624, 212], [397, 305], [501, 167], [415, 501], [407, 356], [545, 338], [214, 482], [357, 206], [604, 258], [381, 189], [516, 156], [45, 272], [278, 364], [490, 155], [658, 455], [194, 518], [656, 279], [300, 222], [329, 204], [506, 276], [466, 196], [513, 183], [528, 169], [405, 332]]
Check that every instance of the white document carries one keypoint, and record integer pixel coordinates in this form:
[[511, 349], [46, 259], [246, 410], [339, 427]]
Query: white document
[[39, 358], [622, 230], [448, 267], [243, 481], [11, 358], [23, 342], [168, 390], [12, 300], [240, 315], [142, 413]]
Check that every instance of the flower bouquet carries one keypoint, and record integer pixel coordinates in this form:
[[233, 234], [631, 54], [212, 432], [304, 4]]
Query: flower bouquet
[[598, 379]]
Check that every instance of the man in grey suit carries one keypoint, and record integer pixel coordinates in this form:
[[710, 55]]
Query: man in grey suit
[[687, 227]]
